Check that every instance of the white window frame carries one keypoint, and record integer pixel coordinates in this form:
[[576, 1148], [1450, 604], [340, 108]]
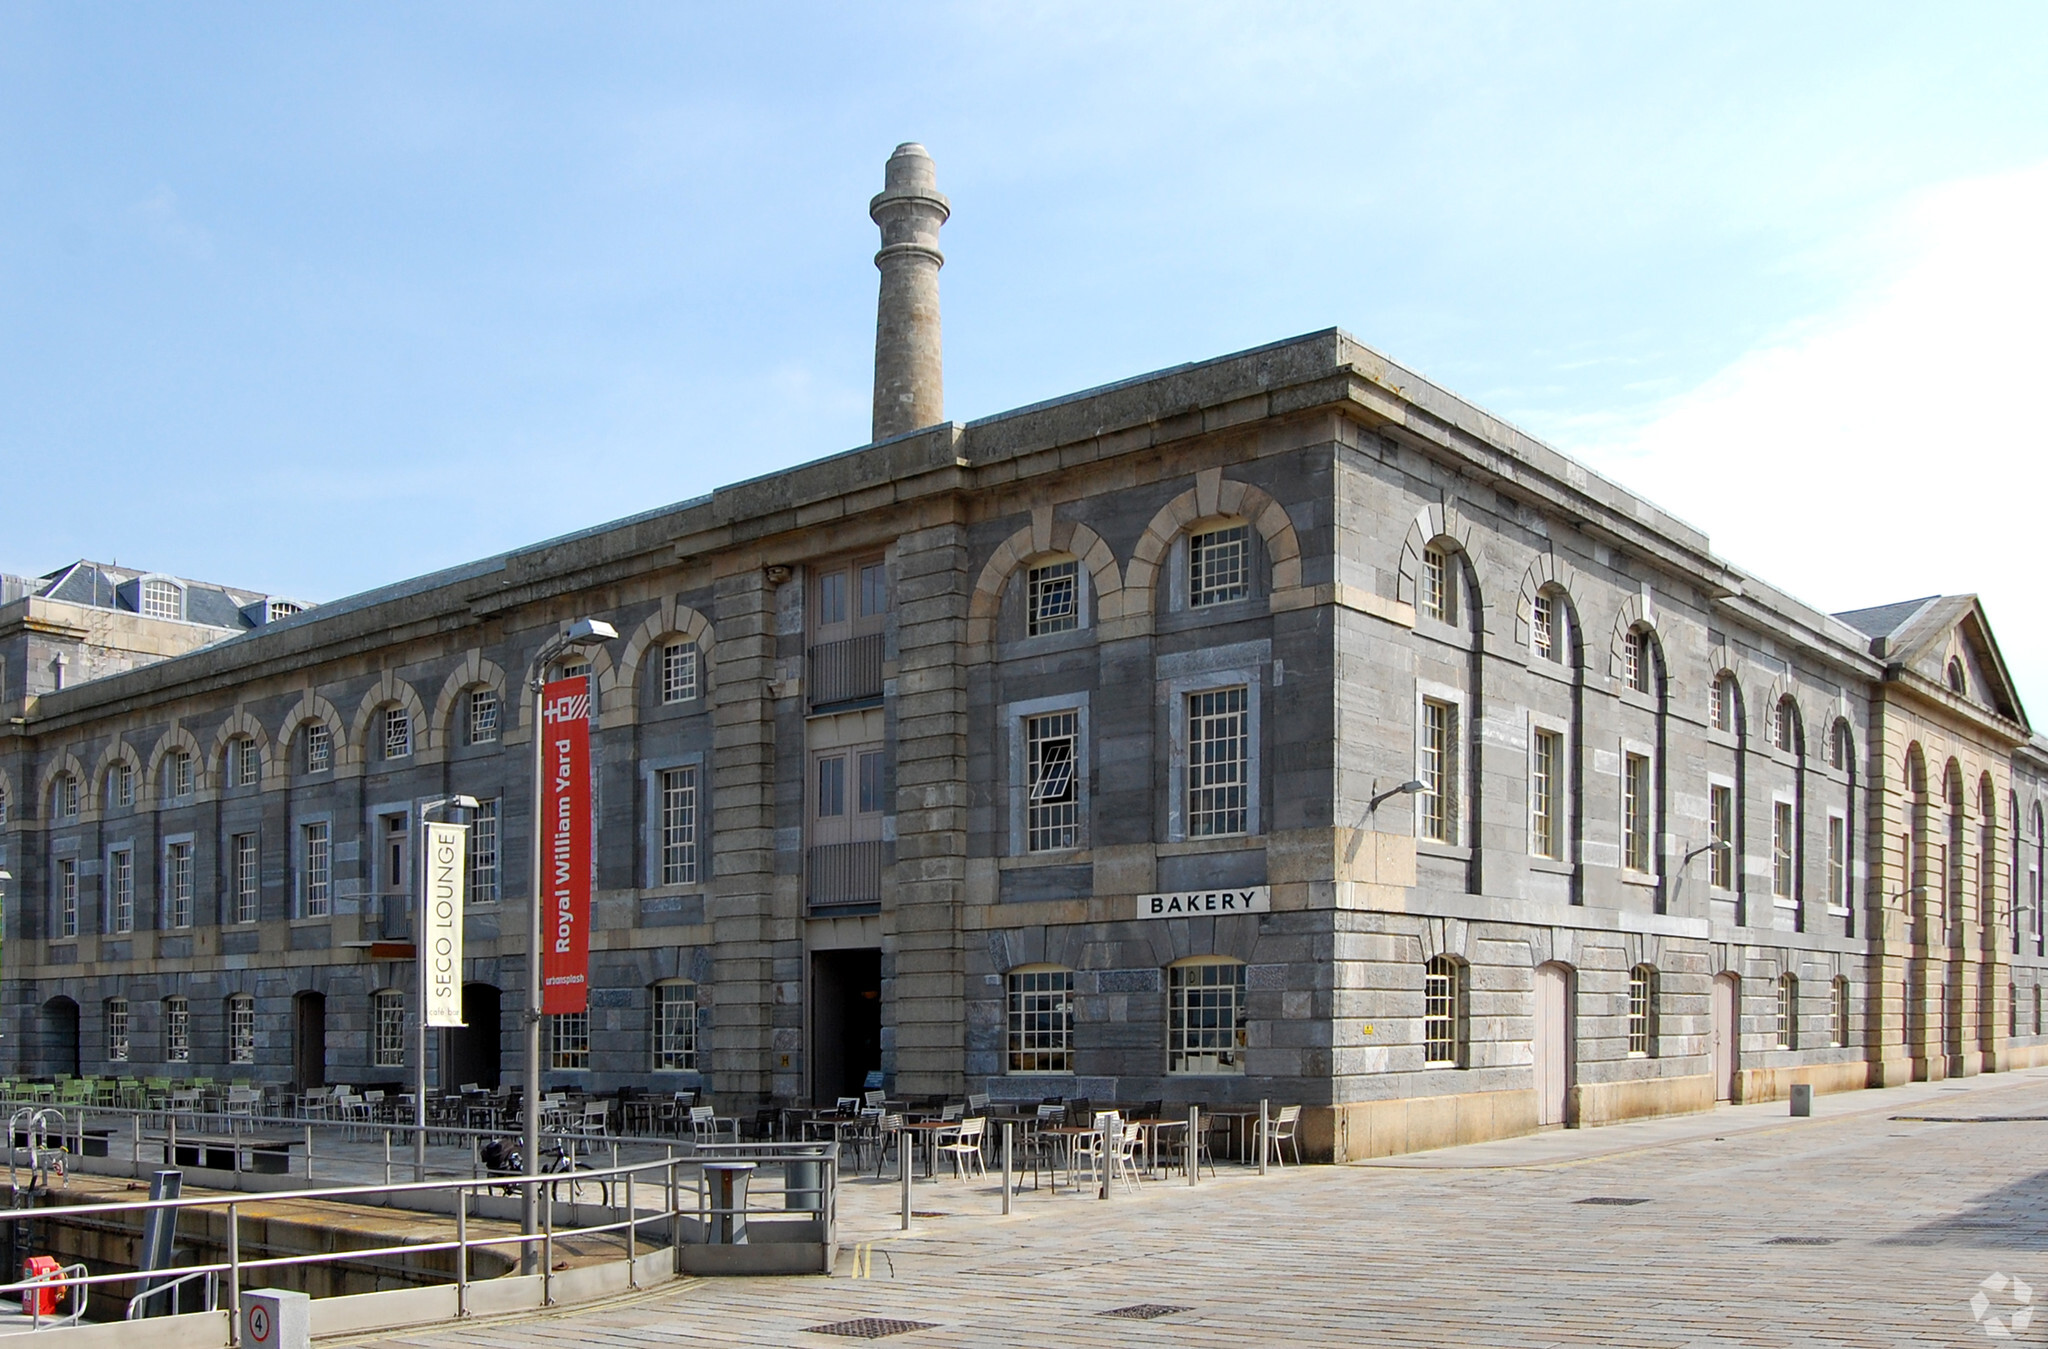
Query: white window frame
[[678, 824], [241, 1028], [320, 739], [244, 765], [1626, 835], [177, 1012], [485, 710], [1785, 859], [183, 777], [485, 874], [245, 877], [397, 733], [653, 835], [1453, 773], [157, 597], [1838, 1012], [1642, 1011], [1436, 582], [1722, 861], [119, 1044], [1200, 1050], [1016, 719], [1786, 1022], [68, 796], [1217, 776], [1218, 534], [181, 880], [1839, 872], [316, 867], [569, 1042], [1052, 784], [120, 787], [672, 1016], [1445, 1026], [1548, 628], [120, 879], [1637, 665], [1038, 1021], [1042, 582], [64, 876], [1557, 800], [681, 676], [387, 1028], [1198, 672]]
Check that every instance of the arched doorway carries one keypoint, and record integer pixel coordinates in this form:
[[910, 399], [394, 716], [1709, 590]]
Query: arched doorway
[[1727, 1025], [470, 1051], [309, 1040], [60, 1036], [1553, 1043]]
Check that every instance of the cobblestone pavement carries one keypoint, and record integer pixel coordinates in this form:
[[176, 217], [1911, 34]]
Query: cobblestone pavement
[[1856, 1227]]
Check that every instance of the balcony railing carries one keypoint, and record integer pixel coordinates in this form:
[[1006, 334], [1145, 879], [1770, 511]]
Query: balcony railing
[[847, 672], [393, 914], [842, 874]]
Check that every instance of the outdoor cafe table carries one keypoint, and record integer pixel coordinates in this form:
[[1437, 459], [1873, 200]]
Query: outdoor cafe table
[[1242, 1120], [930, 1129], [1150, 1129], [1071, 1134]]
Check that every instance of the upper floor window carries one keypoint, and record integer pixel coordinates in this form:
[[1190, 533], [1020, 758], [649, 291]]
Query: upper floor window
[[64, 798], [1438, 770], [1721, 836], [3, 804], [678, 672], [1053, 598], [1437, 595], [1839, 751], [162, 599], [316, 870], [243, 878], [178, 774], [178, 884], [1721, 703], [397, 733], [1547, 627], [1838, 863], [678, 825], [1635, 811], [1642, 1012], [1443, 1013], [482, 876], [1053, 810], [483, 716], [1219, 762], [1205, 1015], [675, 1026], [1546, 794], [319, 748], [1958, 682], [120, 787], [244, 765], [1636, 660], [1785, 724], [67, 897], [1219, 566], [849, 599], [121, 890], [1041, 1020]]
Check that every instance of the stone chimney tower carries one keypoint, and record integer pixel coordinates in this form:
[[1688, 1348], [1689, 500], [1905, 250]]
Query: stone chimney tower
[[909, 373]]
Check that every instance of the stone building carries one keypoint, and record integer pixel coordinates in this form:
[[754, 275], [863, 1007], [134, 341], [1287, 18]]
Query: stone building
[[1278, 726]]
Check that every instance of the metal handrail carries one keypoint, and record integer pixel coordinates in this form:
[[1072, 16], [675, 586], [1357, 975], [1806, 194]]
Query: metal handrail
[[145, 1297]]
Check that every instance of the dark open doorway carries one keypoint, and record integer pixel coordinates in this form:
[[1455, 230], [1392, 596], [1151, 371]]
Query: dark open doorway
[[309, 1040], [470, 1051], [846, 1022], [60, 1035]]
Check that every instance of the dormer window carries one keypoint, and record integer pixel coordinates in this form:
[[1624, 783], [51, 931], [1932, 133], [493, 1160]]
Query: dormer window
[[1053, 598], [1958, 682], [162, 599]]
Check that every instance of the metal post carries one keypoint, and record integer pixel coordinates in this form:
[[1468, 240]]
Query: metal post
[[419, 1007], [1194, 1144], [387, 1156], [632, 1235], [1263, 1149], [547, 1246], [134, 1151], [530, 1106], [309, 1152], [675, 1213], [1009, 1127], [234, 1274], [903, 1169], [462, 1252], [170, 1140]]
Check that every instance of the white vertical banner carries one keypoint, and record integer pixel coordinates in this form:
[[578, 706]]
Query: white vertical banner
[[441, 947]]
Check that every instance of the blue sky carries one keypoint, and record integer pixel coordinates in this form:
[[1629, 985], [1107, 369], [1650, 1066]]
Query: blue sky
[[282, 285]]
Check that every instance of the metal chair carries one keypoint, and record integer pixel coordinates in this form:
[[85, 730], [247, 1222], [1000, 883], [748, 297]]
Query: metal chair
[[1281, 1130], [965, 1149]]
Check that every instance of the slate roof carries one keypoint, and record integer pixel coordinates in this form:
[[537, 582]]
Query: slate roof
[[97, 585]]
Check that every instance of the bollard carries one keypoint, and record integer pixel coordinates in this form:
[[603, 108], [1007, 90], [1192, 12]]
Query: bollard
[[1263, 1149], [632, 1235], [903, 1169], [462, 1252], [1802, 1098], [1194, 1146], [1008, 1130], [547, 1246], [276, 1319]]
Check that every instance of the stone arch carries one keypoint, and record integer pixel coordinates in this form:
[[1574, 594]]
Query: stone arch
[[1637, 612], [1784, 696], [1444, 523], [1721, 661], [474, 672], [1043, 535], [387, 691], [603, 675], [177, 738], [618, 694], [1549, 572], [67, 762], [118, 751], [240, 723], [311, 707], [1212, 495]]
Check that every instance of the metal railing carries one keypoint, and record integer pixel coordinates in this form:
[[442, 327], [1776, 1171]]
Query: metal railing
[[844, 873], [678, 1198], [842, 672]]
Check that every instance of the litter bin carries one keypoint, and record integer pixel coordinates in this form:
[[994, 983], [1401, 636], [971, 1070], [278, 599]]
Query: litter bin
[[727, 1183], [803, 1183]]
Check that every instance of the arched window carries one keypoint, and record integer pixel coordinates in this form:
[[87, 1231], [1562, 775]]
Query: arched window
[[680, 678], [1642, 1012], [64, 797], [242, 766], [396, 737], [1785, 725], [1958, 682], [387, 1028], [1841, 747], [1443, 1013], [1788, 1011], [1436, 589], [1041, 1020], [177, 777], [117, 1030], [1838, 1012], [480, 715], [119, 791], [241, 1029], [1205, 1015], [675, 1026], [1721, 700], [1637, 660], [1053, 596], [1550, 626], [1219, 564], [177, 1030]]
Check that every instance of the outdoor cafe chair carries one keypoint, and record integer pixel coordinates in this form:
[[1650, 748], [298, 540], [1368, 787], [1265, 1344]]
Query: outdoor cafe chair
[[965, 1149], [1281, 1130], [1120, 1149], [705, 1126]]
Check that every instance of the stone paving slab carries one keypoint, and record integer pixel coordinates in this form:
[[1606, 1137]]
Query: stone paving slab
[[1897, 1220]]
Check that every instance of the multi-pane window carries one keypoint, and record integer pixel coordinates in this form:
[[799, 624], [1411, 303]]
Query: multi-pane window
[[1635, 811], [177, 1030], [162, 599], [178, 882], [1546, 794], [121, 889], [1544, 635], [243, 877], [319, 748], [1205, 1025], [874, 589], [397, 733], [1439, 771], [1784, 725], [1053, 598], [244, 764], [1721, 832], [1052, 816], [832, 787], [67, 897], [1838, 862], [1838, 1012], [387, 1028], [831, 597], [1788, 1011], [678, 842], [1635, 660], [1041, 1016], [3, 805], [120, 787], [1784, 850], [483, 716], [1838, 747], [1642, 1011], [179, 773], [569, 1040], [241, 1029], [1437, 596], [868, 767], [483, 853], [675, 1026], [67, 797], [117, 1029], [678, 672], [316, 870], [1720, 699], [1443, 1020], [1219, 762], [1219, 566]]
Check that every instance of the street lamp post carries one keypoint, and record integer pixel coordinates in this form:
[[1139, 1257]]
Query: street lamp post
[[583, 634], [459, 804]]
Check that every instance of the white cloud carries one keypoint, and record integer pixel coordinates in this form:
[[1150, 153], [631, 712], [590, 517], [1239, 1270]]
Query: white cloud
[[1893, 448]]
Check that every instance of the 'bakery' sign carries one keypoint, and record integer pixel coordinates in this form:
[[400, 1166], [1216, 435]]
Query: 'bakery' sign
[[1200, 903]]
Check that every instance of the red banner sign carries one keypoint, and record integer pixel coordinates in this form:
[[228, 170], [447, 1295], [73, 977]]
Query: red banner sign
[[565, 846]]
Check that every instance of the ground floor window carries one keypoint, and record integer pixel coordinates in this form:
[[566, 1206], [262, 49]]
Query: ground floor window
[[1041, 1017], [241, 1029], [569, 1040], [388, 1029], [177, 1030], [1642, 1012], [1788, 1011], [117, 1029], [1205, 1029], [675, 1026], [1443, 1013]]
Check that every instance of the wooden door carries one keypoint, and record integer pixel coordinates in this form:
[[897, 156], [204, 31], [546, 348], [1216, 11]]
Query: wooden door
[[1725, 990], [1553, 1043]]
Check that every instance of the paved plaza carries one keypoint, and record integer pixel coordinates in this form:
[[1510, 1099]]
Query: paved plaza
[[1861, 1226]]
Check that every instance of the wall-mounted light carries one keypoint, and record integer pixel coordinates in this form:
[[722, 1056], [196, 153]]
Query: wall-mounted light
[[1408, 788]]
